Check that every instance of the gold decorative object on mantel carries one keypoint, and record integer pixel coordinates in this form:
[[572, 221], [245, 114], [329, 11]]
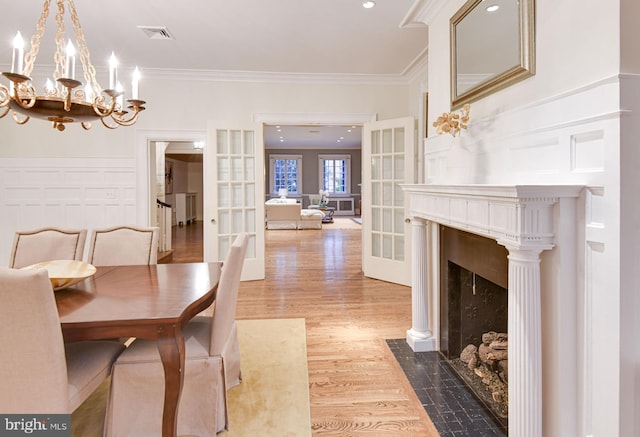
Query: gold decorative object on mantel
[[65, 101], [453, 122]]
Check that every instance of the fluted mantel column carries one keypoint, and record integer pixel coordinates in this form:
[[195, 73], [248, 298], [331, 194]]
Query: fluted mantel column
[[525, 349], [420, 336]]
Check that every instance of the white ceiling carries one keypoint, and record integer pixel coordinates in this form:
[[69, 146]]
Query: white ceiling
[[324, 37]]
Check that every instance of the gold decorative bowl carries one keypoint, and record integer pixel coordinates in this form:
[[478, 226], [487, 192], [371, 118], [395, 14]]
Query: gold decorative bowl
[[64, 272]]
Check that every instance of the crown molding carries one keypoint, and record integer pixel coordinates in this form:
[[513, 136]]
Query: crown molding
[[422, 11]]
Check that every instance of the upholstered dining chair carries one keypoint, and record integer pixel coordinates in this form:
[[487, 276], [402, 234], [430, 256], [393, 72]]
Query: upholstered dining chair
[[46, 244], [39, 373], [123, 245], [212, 366]]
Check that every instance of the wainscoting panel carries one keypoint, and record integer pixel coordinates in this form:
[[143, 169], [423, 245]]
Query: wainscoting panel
[[72, 193]]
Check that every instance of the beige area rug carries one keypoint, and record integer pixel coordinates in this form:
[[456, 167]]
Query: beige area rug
[[341, 223], [273, 398]]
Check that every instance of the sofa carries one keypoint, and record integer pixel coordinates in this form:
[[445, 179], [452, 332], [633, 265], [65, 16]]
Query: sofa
[[284, 213]]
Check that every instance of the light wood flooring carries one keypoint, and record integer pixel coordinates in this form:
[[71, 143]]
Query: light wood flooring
[[356, 386]]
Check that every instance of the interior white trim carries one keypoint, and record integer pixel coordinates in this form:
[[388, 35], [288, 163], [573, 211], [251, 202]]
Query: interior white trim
[[144, 137]]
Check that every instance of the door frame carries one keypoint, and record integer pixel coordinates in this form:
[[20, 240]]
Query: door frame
[[144, 204]]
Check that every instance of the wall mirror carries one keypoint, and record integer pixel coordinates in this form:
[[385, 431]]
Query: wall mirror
[[492, 46]]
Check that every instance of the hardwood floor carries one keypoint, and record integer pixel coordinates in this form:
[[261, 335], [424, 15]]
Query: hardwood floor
[[356, 386]]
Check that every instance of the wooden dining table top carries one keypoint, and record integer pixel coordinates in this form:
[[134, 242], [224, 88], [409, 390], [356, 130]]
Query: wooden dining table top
[[135, 297]]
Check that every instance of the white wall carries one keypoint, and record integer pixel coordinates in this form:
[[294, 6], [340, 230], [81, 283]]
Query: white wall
[[575, 122]]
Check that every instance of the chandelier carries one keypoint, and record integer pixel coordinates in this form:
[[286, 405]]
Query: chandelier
[[66, 100]]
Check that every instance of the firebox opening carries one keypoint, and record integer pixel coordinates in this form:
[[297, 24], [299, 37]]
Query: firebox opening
[[473, 314]]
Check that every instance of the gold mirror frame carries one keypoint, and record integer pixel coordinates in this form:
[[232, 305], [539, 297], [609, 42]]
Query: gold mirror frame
[[500, 80]]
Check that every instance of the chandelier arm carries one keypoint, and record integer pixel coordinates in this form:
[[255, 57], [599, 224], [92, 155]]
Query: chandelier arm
[[119, 117], [5, 97], [86, 125], [105, 124], [99, 104], [30, 57], [5, 112], [25, 95], [14, 114]]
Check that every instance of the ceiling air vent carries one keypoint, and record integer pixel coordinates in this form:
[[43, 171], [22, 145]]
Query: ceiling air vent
[[156, 32]]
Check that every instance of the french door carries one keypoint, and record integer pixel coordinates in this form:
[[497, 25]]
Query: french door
[[388, 162], [234, 193]]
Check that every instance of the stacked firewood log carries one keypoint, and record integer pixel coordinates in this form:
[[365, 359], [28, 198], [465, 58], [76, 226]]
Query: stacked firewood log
[[490, 357]]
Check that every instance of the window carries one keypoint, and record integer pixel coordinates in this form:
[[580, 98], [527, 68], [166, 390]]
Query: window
[[335, 173], [286, 172]]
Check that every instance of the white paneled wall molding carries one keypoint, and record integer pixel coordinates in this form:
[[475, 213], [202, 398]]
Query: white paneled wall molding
[[73, 193]]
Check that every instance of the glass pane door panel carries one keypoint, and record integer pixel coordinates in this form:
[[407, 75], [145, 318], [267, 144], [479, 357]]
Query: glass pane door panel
[[249, 143], [376, 193], [398, 220], [236, 142], [375, 142], [399, 140], [249, 195], [387, 169], [398, 198], [224, 221], [398, 171], [250, 220], [375, 168], [376, 220], [236, 169], [236, 221], [236, 195], [249, 169], [223, 196], [387, 246], [387, 220], [223, 142], [223, 244], [376, 246], [387, 193], [387, 141], [223, 169]]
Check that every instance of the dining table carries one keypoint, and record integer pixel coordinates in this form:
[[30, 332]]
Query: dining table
[[152, 302]]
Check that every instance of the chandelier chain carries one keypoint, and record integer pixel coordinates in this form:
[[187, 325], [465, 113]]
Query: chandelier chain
[[59, 39], [30, 57], [85, 58]]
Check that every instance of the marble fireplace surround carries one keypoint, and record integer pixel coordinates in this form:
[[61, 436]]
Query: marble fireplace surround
[[522, 218]]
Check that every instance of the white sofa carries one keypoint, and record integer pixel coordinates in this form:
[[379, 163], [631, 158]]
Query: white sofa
[[288, 214]]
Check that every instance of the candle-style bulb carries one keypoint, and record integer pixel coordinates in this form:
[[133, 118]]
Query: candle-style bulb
[[113, 71], [18, 54], [120, 98], [70, 61], [134, 84], [48, 87]]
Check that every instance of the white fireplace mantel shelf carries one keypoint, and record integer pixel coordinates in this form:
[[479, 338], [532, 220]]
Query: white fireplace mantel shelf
[[514, 215], [522, 219]]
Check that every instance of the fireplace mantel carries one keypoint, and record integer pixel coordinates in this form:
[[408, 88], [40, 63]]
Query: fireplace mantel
[[523, 218], [514, 215]]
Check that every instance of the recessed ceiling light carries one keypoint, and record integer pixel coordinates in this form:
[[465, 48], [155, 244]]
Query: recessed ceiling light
[[493, 8], [368, 4]]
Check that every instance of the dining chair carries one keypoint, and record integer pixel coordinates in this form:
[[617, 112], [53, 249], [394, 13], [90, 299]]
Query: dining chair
[[46, 244], [123, 245], [39, 373], [212, 366]]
